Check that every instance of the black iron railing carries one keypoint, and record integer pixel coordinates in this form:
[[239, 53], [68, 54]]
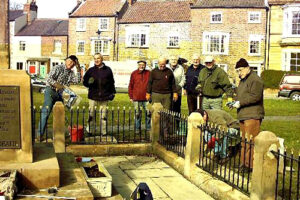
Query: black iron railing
[[223, 153], [111, 125], [173, 131], [288, 175], [97, 126]]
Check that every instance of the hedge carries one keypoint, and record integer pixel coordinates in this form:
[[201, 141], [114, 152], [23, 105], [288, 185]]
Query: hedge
[[272, 78]]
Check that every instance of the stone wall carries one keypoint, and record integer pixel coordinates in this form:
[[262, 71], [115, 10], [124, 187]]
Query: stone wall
[[4, 35]]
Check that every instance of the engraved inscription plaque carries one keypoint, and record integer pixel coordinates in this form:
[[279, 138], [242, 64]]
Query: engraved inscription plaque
[[10, 132]]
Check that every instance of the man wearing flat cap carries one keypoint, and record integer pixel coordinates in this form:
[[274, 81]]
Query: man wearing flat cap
[[137, 93], [250, 107], [213, 82], [59, 76]]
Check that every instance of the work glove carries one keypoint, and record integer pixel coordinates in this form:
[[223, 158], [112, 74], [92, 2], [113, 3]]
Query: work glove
[[175, 97], [148, 96], [233, 104], [91, 80], [58, 86]]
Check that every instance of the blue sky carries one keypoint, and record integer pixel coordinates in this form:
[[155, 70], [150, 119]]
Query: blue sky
[[52, 8]]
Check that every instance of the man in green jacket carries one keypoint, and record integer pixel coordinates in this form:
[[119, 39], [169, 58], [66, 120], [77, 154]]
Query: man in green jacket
[[213, 82], [250, 107]]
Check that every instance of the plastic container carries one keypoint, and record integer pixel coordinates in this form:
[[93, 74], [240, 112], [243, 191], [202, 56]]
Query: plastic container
[[76, 133]]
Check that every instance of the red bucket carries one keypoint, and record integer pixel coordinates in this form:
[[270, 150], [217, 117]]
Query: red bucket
[[76, 133]]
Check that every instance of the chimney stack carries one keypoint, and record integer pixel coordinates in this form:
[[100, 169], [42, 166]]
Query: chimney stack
[[130, 2], [28, 7]]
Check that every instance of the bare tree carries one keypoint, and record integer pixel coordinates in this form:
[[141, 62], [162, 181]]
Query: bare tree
[[15, 5]]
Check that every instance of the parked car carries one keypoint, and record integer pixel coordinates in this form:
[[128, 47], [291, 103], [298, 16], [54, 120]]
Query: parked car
[[290, 86], [38, 84]]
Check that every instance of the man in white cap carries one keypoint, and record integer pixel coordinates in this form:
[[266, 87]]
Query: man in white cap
[[213, 82]]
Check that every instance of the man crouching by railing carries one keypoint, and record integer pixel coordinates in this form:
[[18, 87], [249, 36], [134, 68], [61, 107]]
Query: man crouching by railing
[[100, 81], [215, 139]]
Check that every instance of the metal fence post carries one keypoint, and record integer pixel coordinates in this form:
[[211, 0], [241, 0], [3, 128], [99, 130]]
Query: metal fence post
[[155, 122], [192, 151], [263, 180], [59, 127]]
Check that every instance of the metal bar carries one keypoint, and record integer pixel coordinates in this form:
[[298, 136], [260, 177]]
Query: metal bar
[[243, 173], [124, 115], [283, 176], [291, 177], [71, 124], [118, 128], [47, 112], [129, 122], [112, 124], [248, 178], [277, 175], [298, 177]]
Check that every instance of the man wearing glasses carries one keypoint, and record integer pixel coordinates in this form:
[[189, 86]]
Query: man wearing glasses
[[250, 108], [213, 82]]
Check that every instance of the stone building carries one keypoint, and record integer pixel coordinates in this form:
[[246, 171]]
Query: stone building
[[284, 35], [41, 45], [148, 30], [93, 28], [230, 30]]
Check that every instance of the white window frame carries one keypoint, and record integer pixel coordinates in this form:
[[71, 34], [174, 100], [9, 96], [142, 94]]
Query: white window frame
[[216, 13], [102, 47], [256, 65], [287, 20], [138, 31], [170, 38], [258, 21], [77, 46], [225, 67], [207, 42], [256, 38], [22, 45], [80, 24], [286, 58], [101, 22], [57, 49]]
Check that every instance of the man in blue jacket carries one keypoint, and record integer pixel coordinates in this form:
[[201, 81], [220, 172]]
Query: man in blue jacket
[[191, 82], [100, 81]]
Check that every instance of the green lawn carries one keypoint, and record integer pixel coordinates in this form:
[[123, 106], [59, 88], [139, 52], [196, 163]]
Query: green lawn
[[289, 130]]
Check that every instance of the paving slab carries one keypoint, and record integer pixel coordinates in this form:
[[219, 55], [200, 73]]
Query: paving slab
[[178, 188]]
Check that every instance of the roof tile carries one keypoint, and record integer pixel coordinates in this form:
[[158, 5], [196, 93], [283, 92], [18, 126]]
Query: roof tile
[[14, 14], [230, 3], [149, 12], [46, 27], [91, 8]]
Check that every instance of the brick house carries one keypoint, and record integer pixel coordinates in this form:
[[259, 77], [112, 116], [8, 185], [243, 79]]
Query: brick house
[[148, 30], [41, 45], [230, 30], [284, 35], [92, 29]]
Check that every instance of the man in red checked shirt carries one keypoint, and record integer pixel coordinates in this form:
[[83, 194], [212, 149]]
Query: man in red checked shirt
[[137, 93]]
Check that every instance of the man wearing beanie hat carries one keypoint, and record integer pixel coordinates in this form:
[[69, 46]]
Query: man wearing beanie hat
[[59, 76], [250, 108]]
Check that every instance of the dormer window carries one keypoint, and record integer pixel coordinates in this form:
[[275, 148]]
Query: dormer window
[[216, 17]]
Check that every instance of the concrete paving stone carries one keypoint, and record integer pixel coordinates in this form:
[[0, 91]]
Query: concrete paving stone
[[140, 159], [156, 191], [121, 179], [112, 160], [157, 164], [127, 165], [178, 188], [144, 173], [126, 190]]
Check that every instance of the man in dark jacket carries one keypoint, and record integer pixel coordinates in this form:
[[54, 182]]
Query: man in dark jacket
[[161, 85], [250, 108], [137, 93], [213, 82], [100, 81], [191, 82]]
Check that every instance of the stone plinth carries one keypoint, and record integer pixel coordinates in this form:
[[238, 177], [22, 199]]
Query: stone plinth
[[15, 117], [42, 173]]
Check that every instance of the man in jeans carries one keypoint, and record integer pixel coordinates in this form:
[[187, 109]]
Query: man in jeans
[[137, 93], [250, 108], [59, 76], [213, 82], [100, 81]]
